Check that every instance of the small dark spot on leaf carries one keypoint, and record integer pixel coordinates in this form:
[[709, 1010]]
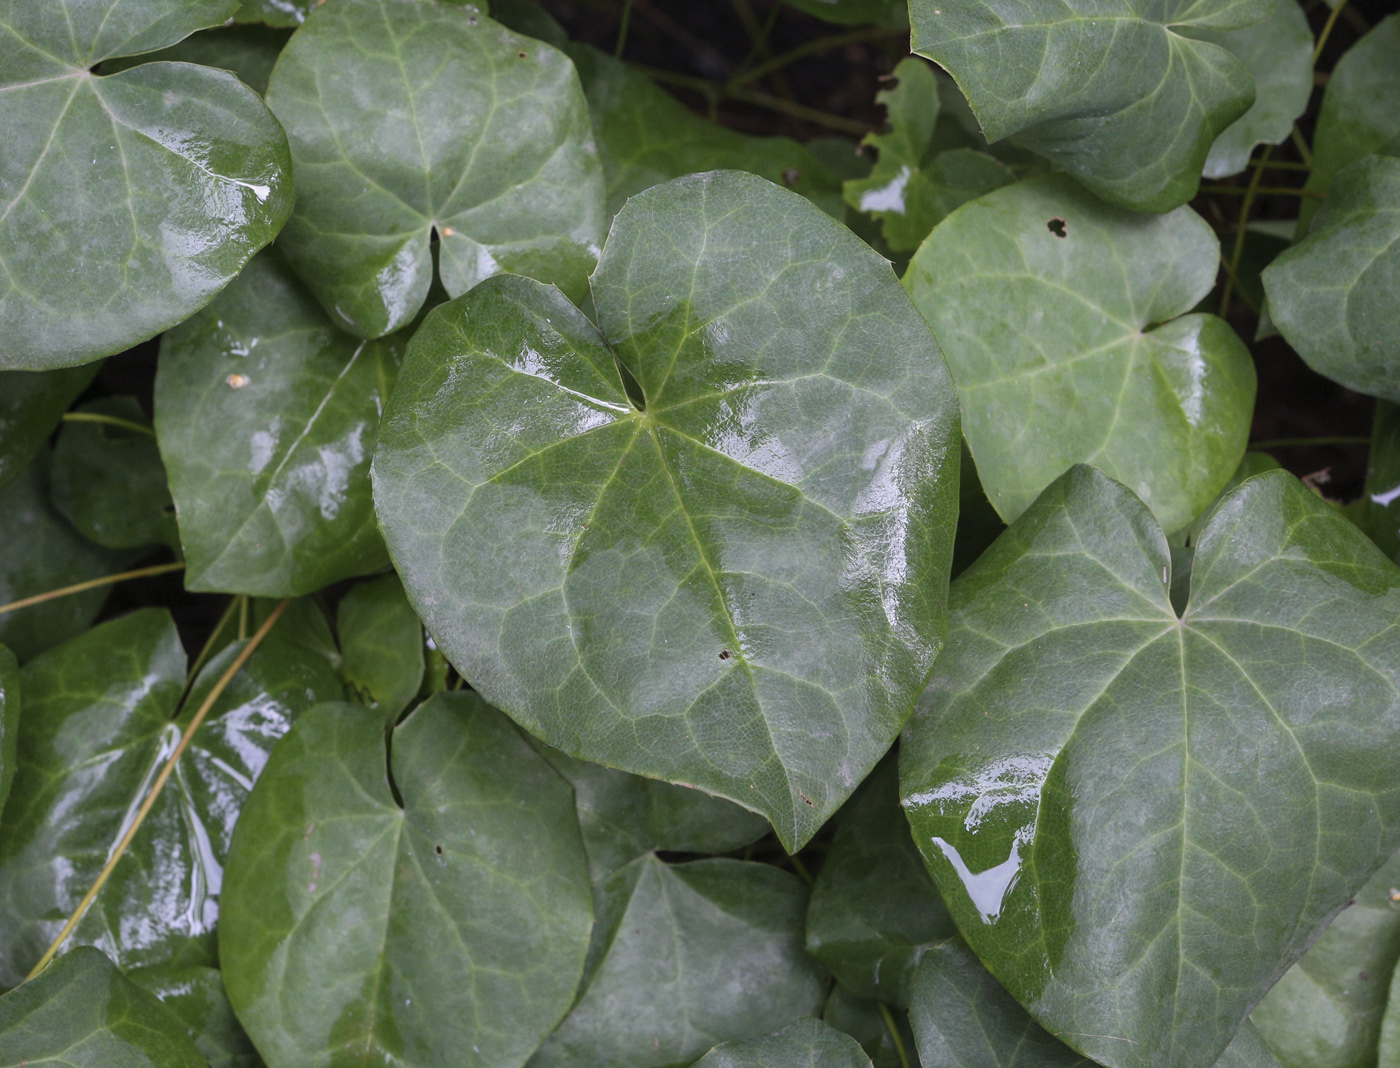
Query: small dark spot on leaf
[[1364, 975], [521, 55], [725, 654], [437, 849], [1057, 227], [790, 176], [803, 796]]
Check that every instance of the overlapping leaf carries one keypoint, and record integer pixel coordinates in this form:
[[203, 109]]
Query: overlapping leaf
[[129, 200], [248, 51], [31, 404], [1062, 321], [434, 911], [882, 1032], [382, 642], [783, 483], [1383, 481], [414, 118], [803, 1044], [1138, 820], [195, 994], [9, 721]]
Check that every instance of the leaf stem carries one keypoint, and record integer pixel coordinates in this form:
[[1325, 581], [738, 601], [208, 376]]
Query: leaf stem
[[1290, 443], [91, 584], [1233, 270], [1254, 189], [233, 604], [622, 29], [1327, 30], [801, 870], [893, 1029], [813, 47], [1279, 165], [110, 420], [714, 91], [1301, 144], [157, 787]]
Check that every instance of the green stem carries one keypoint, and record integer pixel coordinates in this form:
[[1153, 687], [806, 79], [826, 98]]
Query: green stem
[[1254, 189], [1235, 279], [810, 48], [1233, 270], [893, 1029], [1292, 443], [233, 604], [1301, 144], [91, 584], [714, 92], [622, 29], [109, 420], [801, 870], [1327, 30], [1280, 165]]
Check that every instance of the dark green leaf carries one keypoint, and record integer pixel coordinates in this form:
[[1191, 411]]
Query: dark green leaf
[[42, 552], [267, 417], [686, 956], [447, 929], [382, 643], [195, 994], [1139, 820], [882, 1032], [247, 51], [133, 198], [31, 404], [278, 13], [874, 911], [527, 17], [1383, 480], [97, 725], [1058, 315], [409, 119], [1334, 295], [9, 721], [107, 479], [83, 1013], [671, 573], [803, 1044]]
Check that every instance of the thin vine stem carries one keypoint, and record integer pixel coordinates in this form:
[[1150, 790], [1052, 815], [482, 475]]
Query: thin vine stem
[[1233, 270], [810, 48], [169, 766], [91, 584], [110, 420], [1301, 144], [801, 870], [715, 91], [1291, 443], [622, 29], [234, 603], [893, 1029], [1327, 31], [1263, 190], [1280, 165]]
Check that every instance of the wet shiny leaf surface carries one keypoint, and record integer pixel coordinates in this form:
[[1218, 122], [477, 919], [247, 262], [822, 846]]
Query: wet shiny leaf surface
[[789, 486], [382, 644], [195, 994], [1216, 783], [1064, 323], [31, 404], [804, 1044]]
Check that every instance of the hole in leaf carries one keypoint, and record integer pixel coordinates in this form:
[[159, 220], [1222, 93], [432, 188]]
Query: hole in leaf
[[521, 55], [1057, 227], [438, 849], [725, 654]]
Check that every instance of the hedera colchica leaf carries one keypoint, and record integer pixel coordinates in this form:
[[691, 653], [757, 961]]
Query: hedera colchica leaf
[[267, 417], [130, 199], [81, 1012], [285, 14], [801, 1044], [685, 956], [433, 911], [9, 722], [1383, 481], [31, 404], [1118, 95], [249, 51], [1139, 820], [195, 994], [414, 118], [382, 643], [1063, 321]]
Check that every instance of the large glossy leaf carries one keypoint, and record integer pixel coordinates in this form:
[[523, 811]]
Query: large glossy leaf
[[409, 118], [1383, 480], [97, 727], [382, 643], [436, 915], [195, 994], [1333, 295], [874, 912], [31, 404], [1326, 1010], [267, 417], [83, 1013], [248, 51], [686, 956], [107, 479], [802, 1044], [737, 585], [1139, 820], [131, 199], [1278, 54], [1058, 315], [41, 552], [1118, 95], [914, 184], [623, 816], [9, 721]]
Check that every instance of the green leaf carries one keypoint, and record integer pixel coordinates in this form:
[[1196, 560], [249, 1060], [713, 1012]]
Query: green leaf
[[107, 479], [267, 418], [133, 198], [446, 928], [9, 721], [104, 702], [1388, 1054], [276, 13], [1333, 295], [882, 1032], [803, 1044], [1120, 97], [43, 552], [527, 17], [891, 13], [83, 1013], [248, 51], [1139, 821], [1278, 54], [685, 956], [1326, 1010], [669, 572], [31, 404], [623, 816], [409, 119], [195, 994], [382, 642], [874, 912], [646, 136], [913, 186], [1383, 480], [1058, 315]]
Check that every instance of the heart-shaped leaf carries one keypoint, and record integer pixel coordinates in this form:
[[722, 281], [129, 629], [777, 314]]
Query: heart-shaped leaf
[[436, 915], [685, 956], [1058, 316], [1139, 820], [1383, 480], [267, 417], [83, 1013], [874, 913], [382, 642], [130, 199], [105, 700], [1122, 98], [1333, 295], [783, 484], [803, 1044], [1326, 1010], [195, 994], [409, 118], [31, 404]]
